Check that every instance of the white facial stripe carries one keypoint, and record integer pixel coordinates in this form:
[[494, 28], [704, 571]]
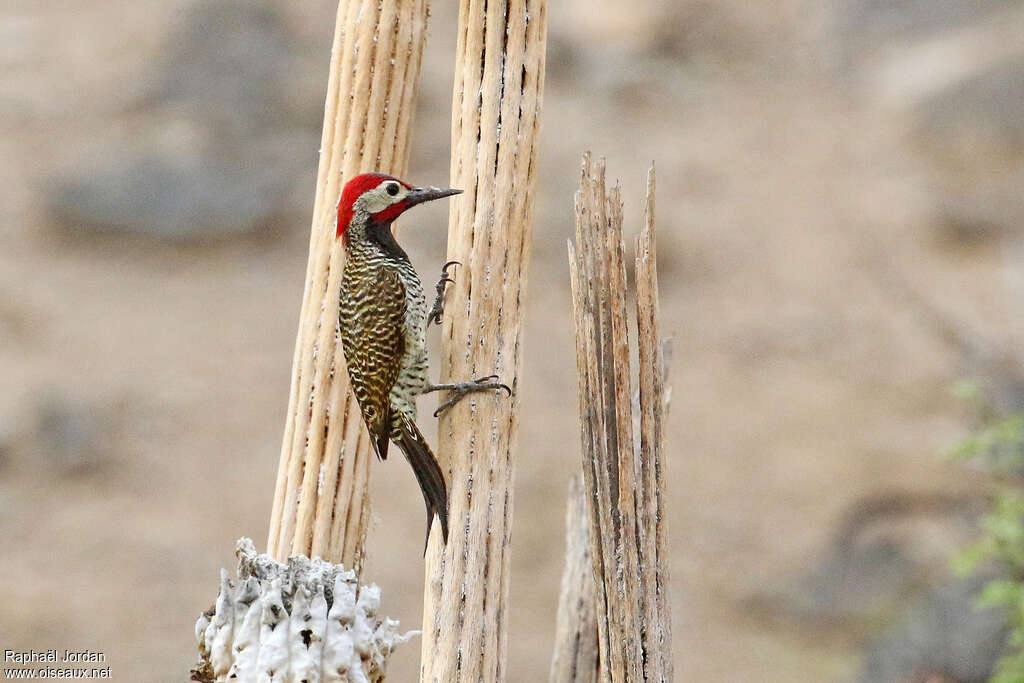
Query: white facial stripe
[[378, 199]]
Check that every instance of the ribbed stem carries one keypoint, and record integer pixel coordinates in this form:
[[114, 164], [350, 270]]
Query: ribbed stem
[[499, 81], [320, 502]]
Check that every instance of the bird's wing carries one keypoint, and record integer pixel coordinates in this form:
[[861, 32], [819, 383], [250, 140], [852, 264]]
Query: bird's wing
[[372, 316]]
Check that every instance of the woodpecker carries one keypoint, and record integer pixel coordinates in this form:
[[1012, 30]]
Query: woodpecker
[[383, 321]]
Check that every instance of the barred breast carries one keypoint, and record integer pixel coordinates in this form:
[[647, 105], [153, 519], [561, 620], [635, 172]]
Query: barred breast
[[383, 312], [412, 377]]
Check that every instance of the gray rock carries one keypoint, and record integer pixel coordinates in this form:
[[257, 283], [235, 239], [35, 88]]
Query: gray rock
[[887, 550], [237, 65], [946, 638], [224, 135], [70, 435], [860, 27], [972, 135], [958, 67], [183, 200]]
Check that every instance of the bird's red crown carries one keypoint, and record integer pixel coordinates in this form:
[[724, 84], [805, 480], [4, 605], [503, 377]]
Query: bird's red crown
[[355, 188]]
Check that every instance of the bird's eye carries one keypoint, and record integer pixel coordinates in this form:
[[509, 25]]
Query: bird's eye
[[391, 189]]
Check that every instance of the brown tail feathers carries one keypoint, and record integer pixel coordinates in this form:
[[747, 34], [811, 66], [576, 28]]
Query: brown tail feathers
[[428, 474]]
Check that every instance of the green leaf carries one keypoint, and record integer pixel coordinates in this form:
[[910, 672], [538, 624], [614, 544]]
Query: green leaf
[[1000, 592], [965, 562]]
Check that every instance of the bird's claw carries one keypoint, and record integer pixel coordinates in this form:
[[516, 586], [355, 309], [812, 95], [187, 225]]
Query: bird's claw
[[437, 310], [491, 382], [479, 384]]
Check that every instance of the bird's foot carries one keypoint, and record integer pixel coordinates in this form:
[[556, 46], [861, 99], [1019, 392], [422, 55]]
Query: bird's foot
[[460, 390], [437, 310]]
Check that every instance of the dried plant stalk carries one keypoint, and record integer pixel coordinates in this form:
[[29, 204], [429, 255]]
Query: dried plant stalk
[[320, 502], [653, 541], [575, 659], [624, 479], [499, 81]]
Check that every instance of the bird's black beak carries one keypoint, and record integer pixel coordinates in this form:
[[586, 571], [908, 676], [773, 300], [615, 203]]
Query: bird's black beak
[[418, 195]]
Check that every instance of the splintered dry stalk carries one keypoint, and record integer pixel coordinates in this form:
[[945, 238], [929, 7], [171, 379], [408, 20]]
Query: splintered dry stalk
[[654, 541], [320, 502], [624, 480], [499, 81], [576, 659]]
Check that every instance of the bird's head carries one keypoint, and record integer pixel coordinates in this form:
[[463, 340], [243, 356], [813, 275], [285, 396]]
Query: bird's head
[[377, 199]]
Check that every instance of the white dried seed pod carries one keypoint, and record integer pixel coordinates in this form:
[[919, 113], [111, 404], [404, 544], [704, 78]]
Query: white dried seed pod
[[223, 625], [307, 621], [273, 657], [247, 642]]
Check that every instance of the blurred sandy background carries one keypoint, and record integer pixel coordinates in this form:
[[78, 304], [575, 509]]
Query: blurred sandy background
[[840, 216]]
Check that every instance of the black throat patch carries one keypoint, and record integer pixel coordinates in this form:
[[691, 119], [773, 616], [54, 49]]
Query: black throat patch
[[380, 234]]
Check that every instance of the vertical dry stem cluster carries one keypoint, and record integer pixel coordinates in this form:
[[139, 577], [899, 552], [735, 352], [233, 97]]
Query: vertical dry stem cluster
[[499, 81], [320, 502], [576, 656], [623, 478]]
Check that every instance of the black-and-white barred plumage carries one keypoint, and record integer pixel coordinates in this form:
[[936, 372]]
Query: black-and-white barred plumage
[[383, 316]]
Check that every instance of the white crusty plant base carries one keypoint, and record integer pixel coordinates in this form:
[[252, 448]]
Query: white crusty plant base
[[307, 621]]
